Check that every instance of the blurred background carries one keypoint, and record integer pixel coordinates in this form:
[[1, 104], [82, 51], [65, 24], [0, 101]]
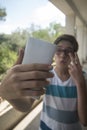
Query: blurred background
[[47, 19]]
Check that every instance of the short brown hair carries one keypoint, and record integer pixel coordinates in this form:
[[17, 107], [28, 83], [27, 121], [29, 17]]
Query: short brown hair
[[69, 38]]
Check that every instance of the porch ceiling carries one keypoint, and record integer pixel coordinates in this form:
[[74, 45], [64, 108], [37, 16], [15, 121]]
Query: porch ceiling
[[79, 7]]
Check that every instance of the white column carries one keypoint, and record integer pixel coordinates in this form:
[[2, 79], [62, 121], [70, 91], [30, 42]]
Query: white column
[[70, 24], [85, 44], [80, 41]]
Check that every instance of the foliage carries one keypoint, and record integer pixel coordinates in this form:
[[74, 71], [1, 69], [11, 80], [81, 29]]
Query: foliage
[[2, 13], [9, 44], [7, 59], [55, 30], [50, 33]]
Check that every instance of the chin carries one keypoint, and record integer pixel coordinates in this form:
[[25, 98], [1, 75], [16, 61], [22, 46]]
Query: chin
[[64, 66]]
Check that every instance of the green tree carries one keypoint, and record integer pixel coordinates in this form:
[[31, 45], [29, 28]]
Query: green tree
[[7, 59], [18, 39], [55, 29], [9, 44], [41, 34], [3, 13], [50, 33]]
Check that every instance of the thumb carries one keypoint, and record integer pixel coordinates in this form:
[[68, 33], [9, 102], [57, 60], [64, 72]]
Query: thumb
[[20, 57]]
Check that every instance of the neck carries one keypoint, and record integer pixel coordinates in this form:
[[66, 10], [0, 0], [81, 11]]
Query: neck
[[63, 74]]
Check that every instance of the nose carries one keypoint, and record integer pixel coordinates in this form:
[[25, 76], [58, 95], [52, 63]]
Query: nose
[[63, 54]]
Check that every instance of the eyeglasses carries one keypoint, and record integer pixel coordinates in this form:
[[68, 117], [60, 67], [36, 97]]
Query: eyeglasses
[[65, 51]]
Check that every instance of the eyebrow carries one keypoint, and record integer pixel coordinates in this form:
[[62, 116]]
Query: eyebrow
[[66, 48]]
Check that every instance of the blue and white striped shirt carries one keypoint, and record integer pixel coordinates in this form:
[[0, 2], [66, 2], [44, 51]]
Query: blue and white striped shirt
[[60, 106]]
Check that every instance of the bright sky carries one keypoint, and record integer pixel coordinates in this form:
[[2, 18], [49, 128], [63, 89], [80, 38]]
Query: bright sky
[[22, 13]]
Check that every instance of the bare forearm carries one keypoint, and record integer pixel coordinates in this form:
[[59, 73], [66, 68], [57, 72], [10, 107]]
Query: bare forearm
[[82, 103]]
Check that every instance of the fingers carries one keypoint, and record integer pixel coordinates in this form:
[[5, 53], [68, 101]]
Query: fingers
[[31, 67], [32, 93], [32, 84], [77, 58], [74, 60], [31, 88], [74, 66], [20, 57], [73, 63], [25, 78], [33, 75]]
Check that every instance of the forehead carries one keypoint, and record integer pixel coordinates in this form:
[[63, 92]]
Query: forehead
[[65, 44]]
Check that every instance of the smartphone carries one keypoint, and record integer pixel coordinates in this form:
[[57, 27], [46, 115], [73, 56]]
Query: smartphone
[[38, 51]]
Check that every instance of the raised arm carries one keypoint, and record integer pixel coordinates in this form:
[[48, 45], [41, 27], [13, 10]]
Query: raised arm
[[22, 82], [76, 73]]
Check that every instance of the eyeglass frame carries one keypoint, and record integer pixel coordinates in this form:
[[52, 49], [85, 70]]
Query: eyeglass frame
[[65, 51]]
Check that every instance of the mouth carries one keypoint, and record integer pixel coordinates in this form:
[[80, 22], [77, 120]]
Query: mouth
[[63, 61]]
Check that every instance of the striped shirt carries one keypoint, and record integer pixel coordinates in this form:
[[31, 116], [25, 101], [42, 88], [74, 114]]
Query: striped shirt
[[60, 106]]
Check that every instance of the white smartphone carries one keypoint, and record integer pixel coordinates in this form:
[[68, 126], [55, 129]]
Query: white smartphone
[[38, 51]]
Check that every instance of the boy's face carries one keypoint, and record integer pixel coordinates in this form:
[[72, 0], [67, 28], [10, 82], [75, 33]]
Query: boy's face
[[62, 58]]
